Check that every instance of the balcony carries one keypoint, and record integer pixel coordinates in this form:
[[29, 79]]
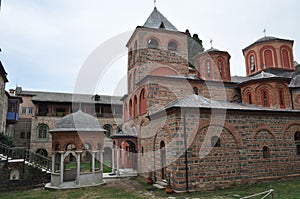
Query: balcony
[[12, 117]]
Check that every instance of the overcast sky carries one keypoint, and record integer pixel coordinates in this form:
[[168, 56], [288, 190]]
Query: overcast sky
[[45, 43]]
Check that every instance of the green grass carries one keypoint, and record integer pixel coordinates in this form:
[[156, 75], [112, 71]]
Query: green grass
[[84, 193], [283, 190], [85, 166]]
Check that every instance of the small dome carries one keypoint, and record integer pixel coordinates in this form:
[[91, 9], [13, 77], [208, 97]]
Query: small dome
[[213, 50], [267, 38], [78, 121]]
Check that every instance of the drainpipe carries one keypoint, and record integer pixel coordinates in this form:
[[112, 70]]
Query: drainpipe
[[185, 154], [291, 92]]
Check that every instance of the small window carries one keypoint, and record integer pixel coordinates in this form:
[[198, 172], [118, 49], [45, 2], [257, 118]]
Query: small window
[[249, 98], [221, 69], [215, 141], [152, 43], [196, 91], [23, 112], [281, 98], [298, 149], [265, 98], [172, 46], [266, 152], [30, 111], [142, 151], [297, 137], [252, 63], [108, 129], [28, 135], [22, 135]]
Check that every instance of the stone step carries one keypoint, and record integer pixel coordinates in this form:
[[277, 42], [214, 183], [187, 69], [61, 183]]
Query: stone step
[[158, 186]]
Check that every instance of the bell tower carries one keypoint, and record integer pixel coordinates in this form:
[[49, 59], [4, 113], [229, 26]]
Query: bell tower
[[157, 48]]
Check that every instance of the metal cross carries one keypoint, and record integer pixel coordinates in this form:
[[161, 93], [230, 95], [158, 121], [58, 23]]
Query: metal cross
[[265, 32], [211, 42], [154, 3]]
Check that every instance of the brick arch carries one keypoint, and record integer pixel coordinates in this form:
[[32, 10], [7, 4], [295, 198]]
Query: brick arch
[[246, 91], [268, 131], [258, 92], [163, 71], [274, 55], [228, 128], [294, 126], [248, 62], [285, 59]]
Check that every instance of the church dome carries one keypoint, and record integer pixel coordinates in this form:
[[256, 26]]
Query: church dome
[[78, 121]]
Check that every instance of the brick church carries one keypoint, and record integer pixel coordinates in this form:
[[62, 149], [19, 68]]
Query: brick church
[[188, 121]]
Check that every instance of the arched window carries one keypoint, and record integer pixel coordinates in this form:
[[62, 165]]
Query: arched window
[[130, 108], [249, 98], [286, 59], [215, 141], [265, 98], [109, 130], [252, 63], [143, 103], [268, 58], [135, 52], [281, 98], [196, 91], [172, 46], [135, 111], [57, 147], [266, 152], [152, 43], [221, 70], [42, 131], [130, 57], [297, 141]]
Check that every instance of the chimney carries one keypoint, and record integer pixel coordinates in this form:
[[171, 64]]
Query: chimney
[[12, 91]]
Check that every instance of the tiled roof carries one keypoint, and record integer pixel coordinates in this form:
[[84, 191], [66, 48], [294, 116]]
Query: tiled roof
[[68, 97], [3, 73], [198, 101], [157, 20], [77, 122], [295, 82]]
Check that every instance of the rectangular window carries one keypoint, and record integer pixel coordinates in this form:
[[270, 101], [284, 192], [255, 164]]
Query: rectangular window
[[30, 111], [22, 135], [24, 110], [298, 149]]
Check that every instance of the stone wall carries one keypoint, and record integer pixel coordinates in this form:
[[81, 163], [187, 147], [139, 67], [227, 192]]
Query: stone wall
[[29, 177], [238, 160]]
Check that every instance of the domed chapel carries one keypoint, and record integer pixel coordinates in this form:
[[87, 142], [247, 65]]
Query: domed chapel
[[188, 121]]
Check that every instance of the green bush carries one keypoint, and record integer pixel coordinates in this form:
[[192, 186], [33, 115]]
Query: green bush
[[7, 140]]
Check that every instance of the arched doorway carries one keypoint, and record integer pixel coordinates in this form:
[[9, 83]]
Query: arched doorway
[[42, 152], [163, 159], [130, 155]]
